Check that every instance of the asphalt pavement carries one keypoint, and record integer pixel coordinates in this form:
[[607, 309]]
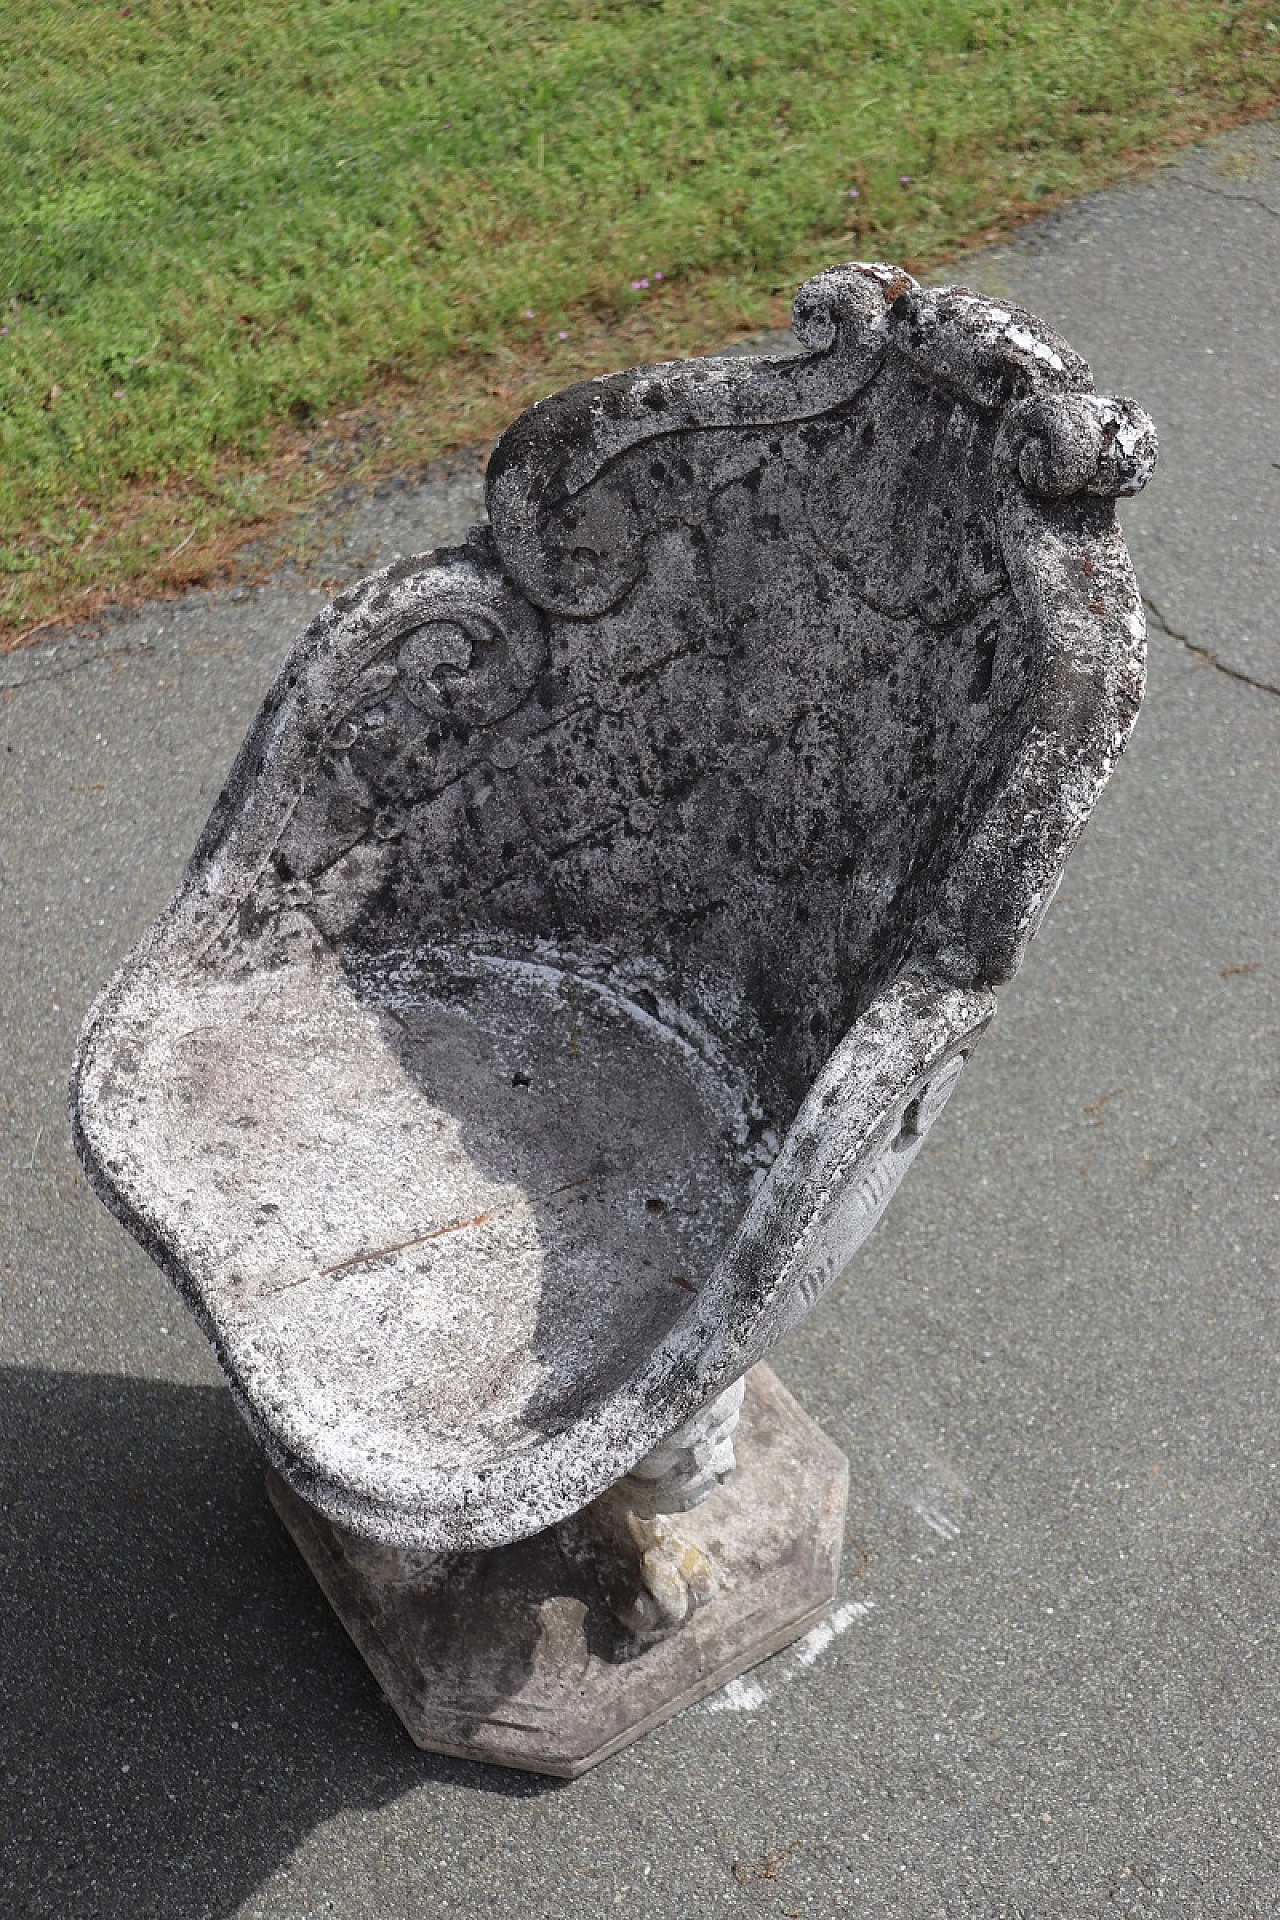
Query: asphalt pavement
[[1049, 1687]]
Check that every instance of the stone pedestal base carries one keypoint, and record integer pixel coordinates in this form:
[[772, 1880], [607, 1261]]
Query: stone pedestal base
[[513, 1656]]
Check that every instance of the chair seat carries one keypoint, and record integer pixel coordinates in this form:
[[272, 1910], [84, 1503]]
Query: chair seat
[[433, 1212]]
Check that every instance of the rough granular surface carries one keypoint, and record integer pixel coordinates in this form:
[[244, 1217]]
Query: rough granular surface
[[600, 911], [406, 1199]]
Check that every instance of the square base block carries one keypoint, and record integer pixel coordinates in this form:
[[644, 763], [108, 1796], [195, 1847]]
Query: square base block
[[513, 1657]]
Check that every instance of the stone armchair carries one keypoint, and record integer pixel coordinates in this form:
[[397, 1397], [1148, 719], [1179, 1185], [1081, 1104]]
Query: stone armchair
[[595, 921]]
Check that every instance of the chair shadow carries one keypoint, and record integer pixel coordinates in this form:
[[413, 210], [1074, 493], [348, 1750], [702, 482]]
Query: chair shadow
[[182, 1707]]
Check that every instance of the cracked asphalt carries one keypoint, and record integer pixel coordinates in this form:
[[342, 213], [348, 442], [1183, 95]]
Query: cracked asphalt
[[1050, 1684]]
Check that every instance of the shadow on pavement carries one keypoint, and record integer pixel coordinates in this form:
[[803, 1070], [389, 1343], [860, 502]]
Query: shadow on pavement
[[182, 1707]]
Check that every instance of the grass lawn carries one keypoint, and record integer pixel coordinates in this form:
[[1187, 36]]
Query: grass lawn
[[252, 245]]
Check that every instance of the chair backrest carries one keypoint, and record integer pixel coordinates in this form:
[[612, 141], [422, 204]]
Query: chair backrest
[[768, 676]]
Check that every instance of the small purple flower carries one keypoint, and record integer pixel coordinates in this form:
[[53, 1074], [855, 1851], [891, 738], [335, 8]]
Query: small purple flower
[[853, 193], [658, 276], [118, 394], [904, 179], [636, 285], [529, 314], [4, 329], [563, 334]]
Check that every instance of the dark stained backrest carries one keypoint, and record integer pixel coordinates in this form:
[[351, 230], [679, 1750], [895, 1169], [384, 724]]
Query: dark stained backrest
[[768, 676]]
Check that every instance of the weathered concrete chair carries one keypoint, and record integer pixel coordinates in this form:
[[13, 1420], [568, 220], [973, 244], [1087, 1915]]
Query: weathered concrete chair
[[592, 926]]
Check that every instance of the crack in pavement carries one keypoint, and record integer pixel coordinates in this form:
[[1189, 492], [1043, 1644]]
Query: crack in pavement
[[63, 672], [1247, 199], [47, 667], [1206, 654]]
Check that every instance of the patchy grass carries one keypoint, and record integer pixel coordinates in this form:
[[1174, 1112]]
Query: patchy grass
[[253, 245]]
